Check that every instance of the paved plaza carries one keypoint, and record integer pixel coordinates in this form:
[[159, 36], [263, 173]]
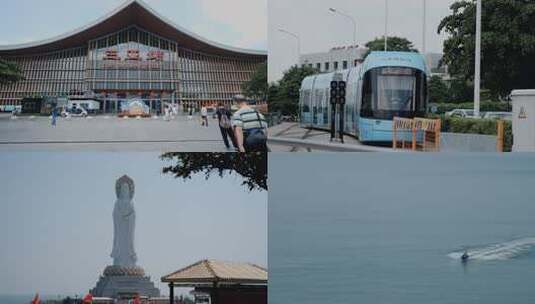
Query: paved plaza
[[294, 131], [110, 133]]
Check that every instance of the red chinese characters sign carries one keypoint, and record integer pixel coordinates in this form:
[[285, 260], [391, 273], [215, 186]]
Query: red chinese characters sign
[[155, 56], [134, 55], [111, 55]]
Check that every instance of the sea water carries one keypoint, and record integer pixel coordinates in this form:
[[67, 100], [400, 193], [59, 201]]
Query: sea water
[[363, 228]]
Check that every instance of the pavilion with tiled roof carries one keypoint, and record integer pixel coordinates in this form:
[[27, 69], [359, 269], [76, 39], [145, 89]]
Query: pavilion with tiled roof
[[224, 282]]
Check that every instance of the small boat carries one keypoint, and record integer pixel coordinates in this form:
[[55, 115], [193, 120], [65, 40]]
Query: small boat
[[465, 257]]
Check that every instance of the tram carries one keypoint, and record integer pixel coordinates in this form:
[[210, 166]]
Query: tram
[[385, 85]]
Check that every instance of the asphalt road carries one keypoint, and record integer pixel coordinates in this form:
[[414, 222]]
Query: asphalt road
[[109, 133], [294, 131]]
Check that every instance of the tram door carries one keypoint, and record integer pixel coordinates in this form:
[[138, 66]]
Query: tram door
[[321, 100]]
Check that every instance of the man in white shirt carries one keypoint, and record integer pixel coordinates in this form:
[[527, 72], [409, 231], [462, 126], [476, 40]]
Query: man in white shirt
[[204, 116], [250, 128]]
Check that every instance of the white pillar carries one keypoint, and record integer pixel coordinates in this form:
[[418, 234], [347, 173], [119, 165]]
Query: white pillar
[[523, 120], [477, 76]]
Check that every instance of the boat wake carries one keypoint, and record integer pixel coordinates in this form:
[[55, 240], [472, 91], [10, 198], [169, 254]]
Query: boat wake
[[498, 252]]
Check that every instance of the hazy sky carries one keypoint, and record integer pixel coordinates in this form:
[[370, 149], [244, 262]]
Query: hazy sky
[[240, 23], [56, 227], [319, 30]]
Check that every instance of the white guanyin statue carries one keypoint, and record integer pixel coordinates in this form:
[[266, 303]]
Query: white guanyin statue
[[124, 223]]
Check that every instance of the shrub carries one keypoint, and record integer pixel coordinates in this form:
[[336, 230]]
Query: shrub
[[476, 126], [485, 106]]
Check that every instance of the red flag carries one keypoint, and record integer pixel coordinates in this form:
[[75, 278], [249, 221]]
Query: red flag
[[36, 299], [137, 300], [88, 299]]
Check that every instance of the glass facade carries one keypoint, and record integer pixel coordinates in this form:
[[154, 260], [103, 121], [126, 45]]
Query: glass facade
[[52, 74], [132, 63]]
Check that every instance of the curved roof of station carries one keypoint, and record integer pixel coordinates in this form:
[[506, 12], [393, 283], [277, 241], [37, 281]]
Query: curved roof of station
[[132, 12]]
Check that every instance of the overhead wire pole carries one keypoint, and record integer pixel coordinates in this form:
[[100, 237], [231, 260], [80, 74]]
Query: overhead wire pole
[[354, 21], [477, 76], [424, 27], [298, 42], [386, 25]]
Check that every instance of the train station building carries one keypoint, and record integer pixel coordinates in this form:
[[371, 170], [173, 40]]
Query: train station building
[[131, 53]]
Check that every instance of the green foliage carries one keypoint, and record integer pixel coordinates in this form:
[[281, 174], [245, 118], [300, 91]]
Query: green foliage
[[10, 72], [470, 125], [257, 86], [438, 90], [507, 44], [284, 96], [476, 126], [393, 44], [479, 126], [460, 91], [252, 167], [452, 91], [485, 106]]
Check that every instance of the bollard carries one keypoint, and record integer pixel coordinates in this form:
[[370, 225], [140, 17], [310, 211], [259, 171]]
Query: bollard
[[499, 135]]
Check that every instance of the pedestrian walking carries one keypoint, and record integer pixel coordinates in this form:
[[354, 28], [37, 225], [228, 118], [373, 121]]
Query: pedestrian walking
[[224, 116], [250, 128], [166, 115], [204, 116], [190, 112], [54, 116]]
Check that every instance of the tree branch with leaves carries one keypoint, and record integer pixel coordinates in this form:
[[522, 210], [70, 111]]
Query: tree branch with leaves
[[507, 44], [252, 167]]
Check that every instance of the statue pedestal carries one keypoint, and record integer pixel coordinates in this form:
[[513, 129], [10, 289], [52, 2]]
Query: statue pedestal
[[124, 282]]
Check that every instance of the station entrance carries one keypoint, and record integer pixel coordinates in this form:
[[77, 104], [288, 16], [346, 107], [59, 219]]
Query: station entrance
[[115, 101]]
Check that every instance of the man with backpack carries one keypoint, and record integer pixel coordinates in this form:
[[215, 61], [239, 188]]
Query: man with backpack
[[250, 128], [225, 125]]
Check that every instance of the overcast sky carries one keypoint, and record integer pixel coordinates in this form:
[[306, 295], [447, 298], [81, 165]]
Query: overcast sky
[[320, 30], [239, 23], [56, 226]]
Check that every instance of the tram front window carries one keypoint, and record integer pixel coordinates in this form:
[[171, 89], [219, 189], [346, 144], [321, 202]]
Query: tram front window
[[395, 93], [389, 92]]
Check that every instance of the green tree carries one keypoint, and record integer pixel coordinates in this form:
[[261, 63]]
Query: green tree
[[252, 167], [438, 90], [284, 97], [258, 86], [460, 91], [10, 72], [507, 43], [393, 44], [452, 91]]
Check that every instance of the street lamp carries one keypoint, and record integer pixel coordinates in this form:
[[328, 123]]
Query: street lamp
[[335, 11], [298, 42], [477, 76]]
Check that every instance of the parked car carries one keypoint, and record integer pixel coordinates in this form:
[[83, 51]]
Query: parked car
[[499, 115], [460, 113], [74, 112], [17, 110], [288, 118]]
